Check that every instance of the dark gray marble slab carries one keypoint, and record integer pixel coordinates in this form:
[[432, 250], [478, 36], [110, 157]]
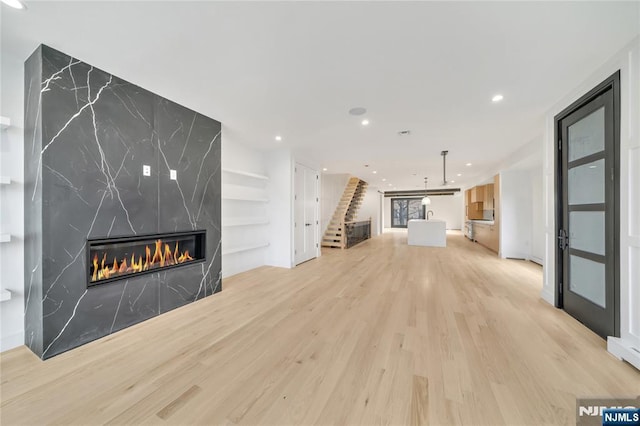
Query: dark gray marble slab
[[90, 135]]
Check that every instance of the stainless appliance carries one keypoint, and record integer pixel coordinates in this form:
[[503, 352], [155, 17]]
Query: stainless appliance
[[468, 230]]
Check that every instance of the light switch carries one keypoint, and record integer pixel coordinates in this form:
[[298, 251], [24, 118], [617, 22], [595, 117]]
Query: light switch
[[173, 175], [146, 170]]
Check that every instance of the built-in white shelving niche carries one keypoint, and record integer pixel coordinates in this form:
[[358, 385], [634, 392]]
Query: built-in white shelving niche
[[245, 221], [5, 123], [245, 198], [240, 249], [247, 174]]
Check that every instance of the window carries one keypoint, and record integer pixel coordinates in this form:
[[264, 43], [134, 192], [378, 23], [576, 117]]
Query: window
[[405, 209]]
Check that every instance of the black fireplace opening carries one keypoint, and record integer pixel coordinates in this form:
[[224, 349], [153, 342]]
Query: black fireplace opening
[[111, 259]]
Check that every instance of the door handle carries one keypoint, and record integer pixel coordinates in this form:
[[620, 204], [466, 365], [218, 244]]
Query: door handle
[[307, 224], [563, 239]]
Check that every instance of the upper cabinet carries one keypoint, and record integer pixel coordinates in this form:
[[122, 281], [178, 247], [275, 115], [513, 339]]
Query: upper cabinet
[[479, 199], [488, 196], [473, 210], [477, 194]]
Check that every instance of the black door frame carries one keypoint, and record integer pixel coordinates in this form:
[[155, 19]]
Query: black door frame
[[611, 83]]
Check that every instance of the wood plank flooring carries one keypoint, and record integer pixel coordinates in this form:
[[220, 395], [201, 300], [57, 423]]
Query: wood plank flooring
[[382, 333]]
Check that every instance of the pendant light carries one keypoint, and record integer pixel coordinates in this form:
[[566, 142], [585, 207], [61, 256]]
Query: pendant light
[[426, 200]]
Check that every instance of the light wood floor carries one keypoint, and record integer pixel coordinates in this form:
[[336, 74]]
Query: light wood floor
[[382, 333]]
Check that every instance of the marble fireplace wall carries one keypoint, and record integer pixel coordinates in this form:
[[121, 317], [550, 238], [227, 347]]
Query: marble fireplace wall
[[88, 134]]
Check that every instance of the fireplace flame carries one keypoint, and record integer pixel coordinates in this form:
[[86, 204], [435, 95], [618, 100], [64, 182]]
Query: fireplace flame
[[162, 256]]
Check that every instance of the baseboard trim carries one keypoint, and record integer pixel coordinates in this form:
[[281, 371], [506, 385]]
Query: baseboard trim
[[11, 341], [537, 261], [548, 297], [624, 350]]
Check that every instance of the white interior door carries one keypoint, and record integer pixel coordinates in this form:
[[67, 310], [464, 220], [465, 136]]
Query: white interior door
[[306, 213]]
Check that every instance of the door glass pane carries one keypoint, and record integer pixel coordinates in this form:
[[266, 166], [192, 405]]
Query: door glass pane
[[587, 231], [587, 278], [399, 213], [405, 209], [587, 135], [415, 209], [586, 183]]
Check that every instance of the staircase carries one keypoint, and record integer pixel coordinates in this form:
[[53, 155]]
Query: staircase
[[346, 211]]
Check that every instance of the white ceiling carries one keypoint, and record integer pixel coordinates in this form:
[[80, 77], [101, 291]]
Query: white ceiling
[[296, 68]]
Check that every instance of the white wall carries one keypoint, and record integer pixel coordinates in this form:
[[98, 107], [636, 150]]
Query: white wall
[[370, 208], [387, 212], [537, 216], [12, 202], [445, 207], [238, 157], [628, 62], [332, 188], [280, 169], [516, 207]]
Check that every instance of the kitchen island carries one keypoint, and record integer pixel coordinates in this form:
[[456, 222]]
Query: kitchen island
[[430, 233]]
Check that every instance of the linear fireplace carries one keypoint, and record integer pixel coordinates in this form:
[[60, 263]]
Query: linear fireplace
[[117, 258]]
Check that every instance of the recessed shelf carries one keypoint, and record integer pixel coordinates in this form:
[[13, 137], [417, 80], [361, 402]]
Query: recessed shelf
[[244, 248], [249, 174], [245, 221], [5, 238], [5, 295], [5, 122], [5, 180], [241, 198]]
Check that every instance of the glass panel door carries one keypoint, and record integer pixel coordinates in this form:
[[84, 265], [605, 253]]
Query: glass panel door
[[587, 164]]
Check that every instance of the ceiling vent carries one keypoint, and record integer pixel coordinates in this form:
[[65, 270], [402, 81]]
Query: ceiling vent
[[357, 111]]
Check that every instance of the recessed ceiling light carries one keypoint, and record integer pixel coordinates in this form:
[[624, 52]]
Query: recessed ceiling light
[[468, 164], [459, 174], [497, 98], [357, 111], [16, 4], [390, 184], [324, 169], [374, 172], [365, 122], [278, 138], [384, 180], [452, 181]]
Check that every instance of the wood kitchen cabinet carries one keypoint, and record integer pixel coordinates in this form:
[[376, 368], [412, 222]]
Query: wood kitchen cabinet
[[467, 202], [487, 235], [488, 197], [477, 194], [472, 209]]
